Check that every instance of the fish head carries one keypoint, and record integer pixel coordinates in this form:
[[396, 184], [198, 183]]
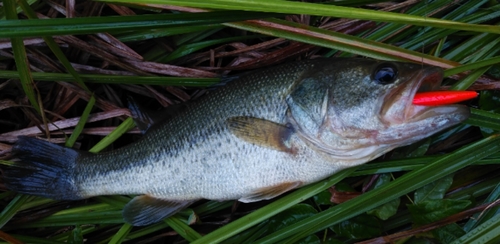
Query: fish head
[[357, 109]]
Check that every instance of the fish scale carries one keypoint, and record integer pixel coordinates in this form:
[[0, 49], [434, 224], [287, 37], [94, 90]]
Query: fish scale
[[259, 136], [201, 136]]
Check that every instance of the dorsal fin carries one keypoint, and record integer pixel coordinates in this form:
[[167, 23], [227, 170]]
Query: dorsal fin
[[145, 118]]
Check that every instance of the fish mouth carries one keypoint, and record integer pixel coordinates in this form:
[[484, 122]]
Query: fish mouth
[[398, 107]]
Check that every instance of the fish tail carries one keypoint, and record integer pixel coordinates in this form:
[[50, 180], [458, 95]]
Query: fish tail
[[45, 169]]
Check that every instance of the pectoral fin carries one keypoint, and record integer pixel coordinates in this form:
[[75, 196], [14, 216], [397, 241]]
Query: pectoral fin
[[145, 210], [270, 191], [261, 132]]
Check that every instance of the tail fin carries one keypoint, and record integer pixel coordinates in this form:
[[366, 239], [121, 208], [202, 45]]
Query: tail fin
[[45, 169]]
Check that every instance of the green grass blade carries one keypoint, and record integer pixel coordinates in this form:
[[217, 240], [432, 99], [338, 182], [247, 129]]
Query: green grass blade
[[192, 47], [182, 229], [121, 234], [89, 25], [470, 79], [482, 217], [413, 180], [483, 118], [81, 123], [30, 239], [114, 135], [163, 32], [484, 233], [343, 42], [10, 210], [471, 66], [322, 10], [54, 47], [117, 79], [100, 217], [21, 59], [272, 209]]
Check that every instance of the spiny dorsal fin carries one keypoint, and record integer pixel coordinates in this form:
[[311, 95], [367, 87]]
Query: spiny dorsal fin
[[145, 210], [261, 132], [145, 118], [270, 191]]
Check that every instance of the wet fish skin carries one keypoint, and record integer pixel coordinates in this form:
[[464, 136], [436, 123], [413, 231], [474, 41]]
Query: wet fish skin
[[261, 135]]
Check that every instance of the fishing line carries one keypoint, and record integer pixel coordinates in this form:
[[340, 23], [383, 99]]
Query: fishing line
[[425, 20]]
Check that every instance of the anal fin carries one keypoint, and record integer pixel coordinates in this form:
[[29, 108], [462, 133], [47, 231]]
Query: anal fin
[[270, 191], [145, 210]]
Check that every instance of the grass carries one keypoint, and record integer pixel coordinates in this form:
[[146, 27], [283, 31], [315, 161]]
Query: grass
[[65, 72]]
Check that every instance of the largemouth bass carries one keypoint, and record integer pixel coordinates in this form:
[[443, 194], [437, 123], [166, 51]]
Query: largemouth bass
[[259, 136]]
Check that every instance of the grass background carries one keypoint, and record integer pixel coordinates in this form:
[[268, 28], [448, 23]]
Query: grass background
[[66, 68]]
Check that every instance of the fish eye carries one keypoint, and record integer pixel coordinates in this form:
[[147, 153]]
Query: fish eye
[[385, 74]]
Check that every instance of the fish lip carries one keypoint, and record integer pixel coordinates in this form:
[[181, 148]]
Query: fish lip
[[408, 122], [398, 104], [429, 79]]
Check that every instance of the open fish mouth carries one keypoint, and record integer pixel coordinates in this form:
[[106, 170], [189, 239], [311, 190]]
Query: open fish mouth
[[398, 105]]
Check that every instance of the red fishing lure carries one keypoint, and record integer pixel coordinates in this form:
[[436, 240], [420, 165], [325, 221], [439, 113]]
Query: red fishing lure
[[436, 98]]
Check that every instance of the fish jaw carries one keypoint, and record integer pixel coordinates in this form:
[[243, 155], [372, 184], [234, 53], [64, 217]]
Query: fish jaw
[[415, 122], [378, 120]]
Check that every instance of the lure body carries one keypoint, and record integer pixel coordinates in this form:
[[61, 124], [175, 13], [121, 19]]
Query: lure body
[[437, 98]]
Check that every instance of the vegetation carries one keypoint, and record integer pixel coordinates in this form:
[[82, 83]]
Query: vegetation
[[66, 69]]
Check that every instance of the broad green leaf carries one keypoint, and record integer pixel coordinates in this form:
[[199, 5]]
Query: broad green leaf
[[489, 100], [428, 211], [360, 227], [331, 240], [415, 240], [449, 233], [434, 190], [494, 71], [384, 211], [76, 236], [291, 215], [433, 210], [414, 150], [323, 198]]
